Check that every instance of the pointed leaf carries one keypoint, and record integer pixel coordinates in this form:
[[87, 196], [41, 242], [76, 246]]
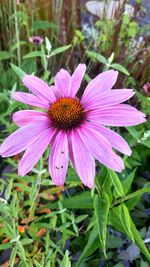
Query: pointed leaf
[[18, 71], [116, 183], [59, 50], [101, 207]]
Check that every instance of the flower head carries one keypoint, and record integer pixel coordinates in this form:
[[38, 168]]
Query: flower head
[[37, 40], [74, 128], [146, 89]]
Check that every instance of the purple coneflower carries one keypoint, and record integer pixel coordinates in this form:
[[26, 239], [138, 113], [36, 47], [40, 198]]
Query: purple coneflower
[[75, 128], [37, 40]]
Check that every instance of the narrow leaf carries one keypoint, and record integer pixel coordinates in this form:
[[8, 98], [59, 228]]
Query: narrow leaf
[[125, 217], [126, 183], [116, 183], [101, 207], [18, 71], [120, 68], [96, 57], [5, 55], [66, 262], [116, 221], [33, 54], [59, 50], [91, 246]]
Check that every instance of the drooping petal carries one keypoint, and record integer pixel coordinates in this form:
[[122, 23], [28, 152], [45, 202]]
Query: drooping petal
[[100, 148], [103, 82], [82, 160], [30, 99], [39, 87], [21, 139], [35, 151], [63, 82], [77, 79], [24, 117], [118, 115], [110, 98], [58, 160], [114, 138]]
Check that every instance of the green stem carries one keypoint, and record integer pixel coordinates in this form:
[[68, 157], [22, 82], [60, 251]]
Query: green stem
[[132, 195], [17, 35]]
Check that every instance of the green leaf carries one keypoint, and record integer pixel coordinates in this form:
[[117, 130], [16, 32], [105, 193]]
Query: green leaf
[[59, 50], [104, 182], [37, 264], [132, 29], [8, 230], [139, 241], [48, 45], [138, 193], [43, 25], [120, 68], [66, 262], [8, 189], [43, 58], [134, 132], [80, 201], [18, 71], [33, 54], [125, 217], [116, 183], [5, 246], [135, 194], [111, 58], [22, 253], [5, 55], [13, 256], [131, 203], [101, 207], [126, 19], [126, 183], [144, 264], [91, 246], [119, 217], [26, 241], [96, 56], [116, 221]]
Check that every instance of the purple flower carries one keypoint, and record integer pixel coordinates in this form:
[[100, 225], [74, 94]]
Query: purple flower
[[37, 40], [74, 128], [20, 2], [146, 89]]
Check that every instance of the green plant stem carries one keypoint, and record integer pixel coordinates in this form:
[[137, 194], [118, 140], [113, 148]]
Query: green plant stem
[[17, 35], [134, 194]]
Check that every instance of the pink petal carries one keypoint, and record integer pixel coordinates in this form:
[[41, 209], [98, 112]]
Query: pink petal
[[77, 79], [103, 82], [115, 140], [24, 117], [110, 98], [39, 87], [21, 139], [100, 148], [35, 151], [30, 99], [58, 161], [82, 160], [118, 115], [63, 82], [56, 91]]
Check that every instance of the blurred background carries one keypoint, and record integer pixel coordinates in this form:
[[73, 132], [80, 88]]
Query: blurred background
[[40, 37]]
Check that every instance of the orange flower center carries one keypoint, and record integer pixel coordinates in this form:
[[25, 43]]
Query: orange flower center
[[66, 113]]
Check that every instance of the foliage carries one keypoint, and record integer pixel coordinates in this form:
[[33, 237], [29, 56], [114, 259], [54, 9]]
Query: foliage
[[43, 225]]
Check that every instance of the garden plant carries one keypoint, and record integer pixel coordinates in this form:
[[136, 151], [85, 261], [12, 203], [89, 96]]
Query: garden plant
[[75, 135]]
